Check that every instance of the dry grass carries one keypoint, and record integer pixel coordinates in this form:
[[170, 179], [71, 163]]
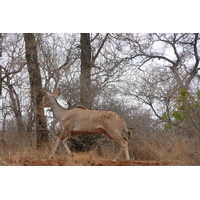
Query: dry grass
[[177, 150]]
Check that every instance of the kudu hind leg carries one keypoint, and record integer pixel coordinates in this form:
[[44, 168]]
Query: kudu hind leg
[[121, 151], [124, 147]]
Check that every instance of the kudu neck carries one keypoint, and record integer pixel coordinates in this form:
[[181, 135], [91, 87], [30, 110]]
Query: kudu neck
[[58, 110]]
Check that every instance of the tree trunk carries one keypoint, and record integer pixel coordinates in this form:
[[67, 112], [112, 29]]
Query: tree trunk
[[35, 83], [86, 66]]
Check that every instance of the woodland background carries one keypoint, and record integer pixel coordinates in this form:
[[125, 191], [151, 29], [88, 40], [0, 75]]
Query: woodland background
[[151, 80]]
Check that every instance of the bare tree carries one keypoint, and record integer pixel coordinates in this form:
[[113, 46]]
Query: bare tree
[[177, 52], [15, 104], [88, 58], [85, 79], [35, 83], [12, 67]]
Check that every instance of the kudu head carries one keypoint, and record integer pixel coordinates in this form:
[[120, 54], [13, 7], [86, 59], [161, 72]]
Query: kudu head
[[48, 98]]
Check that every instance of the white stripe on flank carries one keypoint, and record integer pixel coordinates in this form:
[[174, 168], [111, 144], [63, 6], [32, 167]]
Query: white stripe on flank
[[91, 117], [99, 120], [116, 119], [108, 118], [80, 117]]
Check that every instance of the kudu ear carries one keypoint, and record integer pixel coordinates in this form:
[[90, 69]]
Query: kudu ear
[[56, 93], [41, 92]]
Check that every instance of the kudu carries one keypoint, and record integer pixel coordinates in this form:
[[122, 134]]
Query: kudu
[[80, 120]]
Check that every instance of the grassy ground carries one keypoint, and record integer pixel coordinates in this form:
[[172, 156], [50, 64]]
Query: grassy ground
[[154, 150]]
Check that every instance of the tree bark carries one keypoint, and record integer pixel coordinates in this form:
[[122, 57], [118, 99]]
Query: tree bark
[[35, 83], [86, 66]]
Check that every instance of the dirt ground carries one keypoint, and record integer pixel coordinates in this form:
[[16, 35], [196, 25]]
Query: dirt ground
[[21, 161]]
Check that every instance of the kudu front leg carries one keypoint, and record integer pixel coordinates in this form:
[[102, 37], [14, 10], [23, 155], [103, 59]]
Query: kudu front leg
[[62, 135], [55, 148], [65, 143]]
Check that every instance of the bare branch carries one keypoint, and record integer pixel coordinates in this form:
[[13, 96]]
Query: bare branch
[[94, 37], [99, 50], [195, 69]]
